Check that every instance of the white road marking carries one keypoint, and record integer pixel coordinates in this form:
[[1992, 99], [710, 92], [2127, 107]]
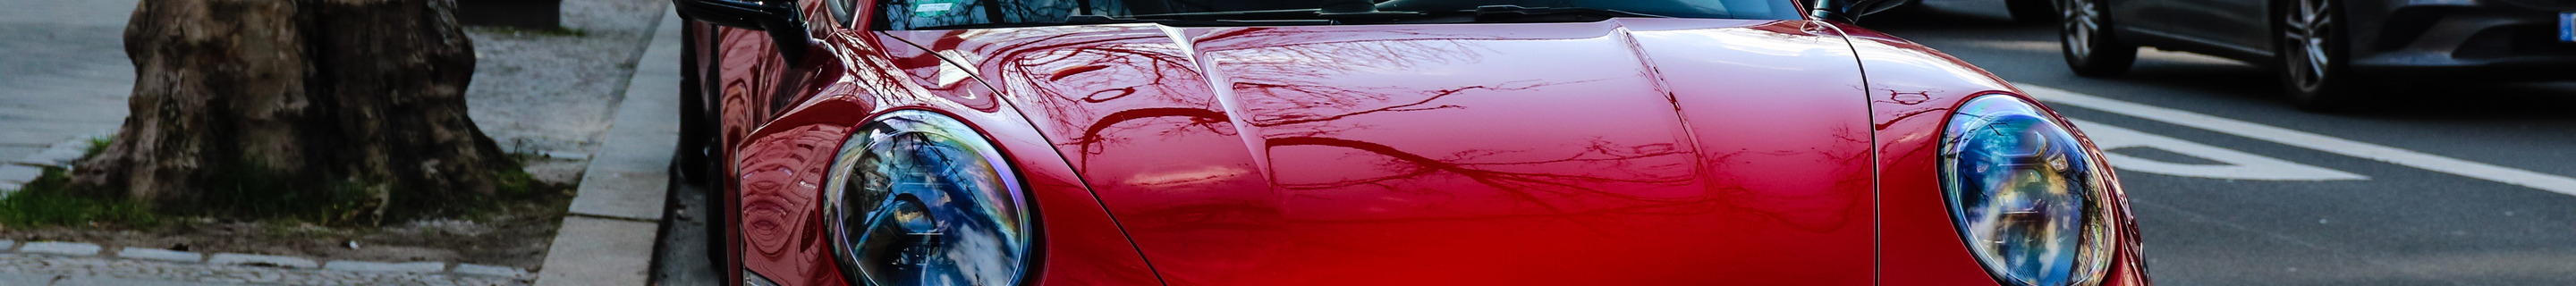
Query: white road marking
[[2285, 136], [2239, 165]]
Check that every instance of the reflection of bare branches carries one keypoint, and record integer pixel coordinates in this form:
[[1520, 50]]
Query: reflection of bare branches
[[1105, 86], [1910, 113], [1288, 81], [1304, 112], [1901, 97], [1520, 185], [1092, 138], [1148, 78], [1292, 74], [1598, 152], [1080, 67]]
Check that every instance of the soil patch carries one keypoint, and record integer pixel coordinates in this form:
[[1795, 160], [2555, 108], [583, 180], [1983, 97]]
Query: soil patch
[[515, 234]]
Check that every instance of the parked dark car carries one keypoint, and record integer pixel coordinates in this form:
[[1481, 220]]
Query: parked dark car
[[2329, 53], [2024, 11]]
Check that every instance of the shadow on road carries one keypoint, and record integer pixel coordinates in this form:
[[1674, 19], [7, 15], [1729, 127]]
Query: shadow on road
[[684, 256]]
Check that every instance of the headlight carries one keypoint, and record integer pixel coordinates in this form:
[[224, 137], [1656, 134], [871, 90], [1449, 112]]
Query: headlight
[[918, 198], [2029, 199]]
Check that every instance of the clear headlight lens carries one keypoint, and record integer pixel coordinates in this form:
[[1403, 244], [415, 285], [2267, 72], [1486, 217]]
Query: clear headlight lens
[[918, 198], [2028, 197]]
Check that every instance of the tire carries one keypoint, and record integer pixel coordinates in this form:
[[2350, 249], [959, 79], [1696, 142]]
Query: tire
[[2031, 11], [690, 153], [2312, 55], [694, 160], [697, 154], [694, 155], [2085, 38]]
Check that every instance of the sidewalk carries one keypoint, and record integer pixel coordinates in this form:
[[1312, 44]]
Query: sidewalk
[[64, 74], [609, 238], [66, 77]]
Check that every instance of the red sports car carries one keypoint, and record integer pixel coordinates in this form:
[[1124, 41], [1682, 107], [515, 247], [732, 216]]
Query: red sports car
[[1377, 142]]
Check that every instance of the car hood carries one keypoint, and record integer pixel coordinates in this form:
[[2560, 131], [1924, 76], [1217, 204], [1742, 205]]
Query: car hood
[[1627, 151]]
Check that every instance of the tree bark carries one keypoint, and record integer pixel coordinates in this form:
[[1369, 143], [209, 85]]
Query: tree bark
[[338, 111]]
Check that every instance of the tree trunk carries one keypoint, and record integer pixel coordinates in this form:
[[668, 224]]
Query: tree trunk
[[336, 111]]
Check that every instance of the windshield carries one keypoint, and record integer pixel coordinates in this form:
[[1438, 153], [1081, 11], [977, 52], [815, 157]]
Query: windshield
[[957, 14]]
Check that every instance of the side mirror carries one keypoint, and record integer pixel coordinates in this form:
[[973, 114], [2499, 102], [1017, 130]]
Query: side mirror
[[778, 17], [1850, 11]]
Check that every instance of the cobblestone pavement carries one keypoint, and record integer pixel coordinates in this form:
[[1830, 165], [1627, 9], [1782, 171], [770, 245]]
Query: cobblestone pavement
[[38, 269]]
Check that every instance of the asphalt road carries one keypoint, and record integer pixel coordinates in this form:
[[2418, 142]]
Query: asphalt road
[[2447, 184]]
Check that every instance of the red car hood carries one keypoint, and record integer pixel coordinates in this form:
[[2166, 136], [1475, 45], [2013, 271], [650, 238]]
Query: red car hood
[[1632, 151]]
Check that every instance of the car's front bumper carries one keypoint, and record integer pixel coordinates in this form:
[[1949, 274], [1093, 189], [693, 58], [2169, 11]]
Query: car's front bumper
[[2470, 39]]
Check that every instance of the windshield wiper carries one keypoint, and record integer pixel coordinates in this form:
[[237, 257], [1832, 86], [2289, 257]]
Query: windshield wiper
[[1487, 13], [1267, 14], [1498, 12], [1290, 14], [1000, 25], [1102, 20]]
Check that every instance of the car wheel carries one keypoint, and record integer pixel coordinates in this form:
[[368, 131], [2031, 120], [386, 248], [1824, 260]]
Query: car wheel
[[701, 118], [695, 159], [2312, 55], [690, 153], [2031, 11], [2086, 39]]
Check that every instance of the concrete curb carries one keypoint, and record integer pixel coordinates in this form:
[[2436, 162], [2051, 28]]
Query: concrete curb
[[262, 260], [160, 254], [364, 266], [77, 249], [60, 248], [609, 238]]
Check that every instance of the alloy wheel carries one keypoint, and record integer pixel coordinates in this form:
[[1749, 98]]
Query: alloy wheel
[[2091, 50], [2305, 31], [2311, 57], [2081, 23]]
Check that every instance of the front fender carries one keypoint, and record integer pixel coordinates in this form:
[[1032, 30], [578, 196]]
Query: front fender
[[1913, 90], [781, 166]]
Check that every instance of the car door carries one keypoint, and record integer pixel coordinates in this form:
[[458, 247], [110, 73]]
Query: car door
[[2241, 26], [2137, 15]]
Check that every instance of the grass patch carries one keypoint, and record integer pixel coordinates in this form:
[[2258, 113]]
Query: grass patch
[[248, 191], [513, 190], [514, 183], [45, 202], [96, 145], [257, 192], [556, 31]]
